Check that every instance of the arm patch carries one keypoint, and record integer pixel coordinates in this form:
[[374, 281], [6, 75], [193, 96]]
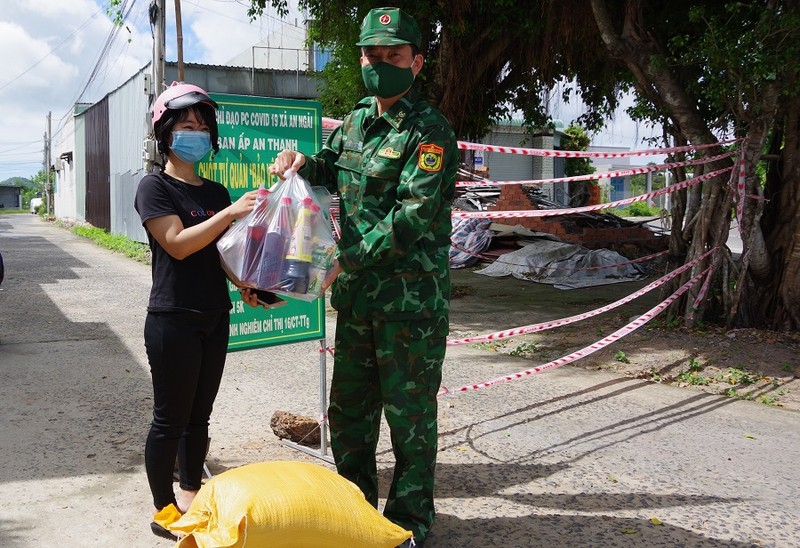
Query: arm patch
[[430, 157]]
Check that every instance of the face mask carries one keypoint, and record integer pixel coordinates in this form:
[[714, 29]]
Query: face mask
[[385, 80], [190, 146]]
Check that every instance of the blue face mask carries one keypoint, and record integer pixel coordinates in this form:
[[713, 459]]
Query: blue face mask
[[190, 146]]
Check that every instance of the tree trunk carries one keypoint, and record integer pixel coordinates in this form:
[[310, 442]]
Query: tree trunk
[[709, 204], [780, 307]]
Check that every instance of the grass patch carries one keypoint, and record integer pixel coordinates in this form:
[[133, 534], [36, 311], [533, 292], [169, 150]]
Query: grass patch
[[638, 209], [734, 375], [115, 242], [691, 377], [524, 349], [488, 345]]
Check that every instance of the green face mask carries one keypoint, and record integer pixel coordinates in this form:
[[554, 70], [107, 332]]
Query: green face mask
[[386, 80]]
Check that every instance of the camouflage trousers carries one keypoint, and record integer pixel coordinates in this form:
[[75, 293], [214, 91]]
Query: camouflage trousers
[[395, 366]]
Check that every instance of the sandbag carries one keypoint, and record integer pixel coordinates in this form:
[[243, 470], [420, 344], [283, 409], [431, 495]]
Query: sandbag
[[284, 504]]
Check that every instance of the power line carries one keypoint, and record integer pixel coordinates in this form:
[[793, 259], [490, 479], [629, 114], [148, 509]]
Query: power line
[[106, 46], [98, 63], [52, 50]]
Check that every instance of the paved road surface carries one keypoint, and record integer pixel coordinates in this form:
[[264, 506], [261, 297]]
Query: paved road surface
[[566, 458]]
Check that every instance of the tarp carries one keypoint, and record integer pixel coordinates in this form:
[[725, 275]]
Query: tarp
[[564, 265], [468, 238]]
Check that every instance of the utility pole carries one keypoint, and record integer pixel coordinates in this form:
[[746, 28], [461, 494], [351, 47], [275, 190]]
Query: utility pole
[[48, 185], [156, 85], [45, 152], [179, 33], [158, 22]]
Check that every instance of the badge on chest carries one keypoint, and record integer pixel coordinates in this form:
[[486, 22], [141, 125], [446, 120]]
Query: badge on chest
[[389, 153]]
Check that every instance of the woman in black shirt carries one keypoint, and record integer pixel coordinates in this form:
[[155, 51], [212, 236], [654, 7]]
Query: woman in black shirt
[[186, 330]]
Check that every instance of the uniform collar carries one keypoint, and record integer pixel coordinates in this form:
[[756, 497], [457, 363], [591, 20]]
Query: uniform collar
[[399, 112]]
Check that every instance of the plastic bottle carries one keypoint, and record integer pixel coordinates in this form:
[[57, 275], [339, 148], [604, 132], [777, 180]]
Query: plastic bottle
[[298, 259], [254, 241], [274, 249], [322, 249]]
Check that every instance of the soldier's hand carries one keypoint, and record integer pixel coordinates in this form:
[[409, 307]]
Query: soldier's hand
[[285, 160], [332, 274]]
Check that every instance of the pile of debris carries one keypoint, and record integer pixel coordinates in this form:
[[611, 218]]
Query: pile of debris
[[568, 251]]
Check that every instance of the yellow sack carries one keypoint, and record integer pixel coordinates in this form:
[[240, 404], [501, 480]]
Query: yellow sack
[[283, 505]]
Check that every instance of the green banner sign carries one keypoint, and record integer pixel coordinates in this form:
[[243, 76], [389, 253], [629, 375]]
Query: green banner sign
[[256, 327], [252, 131]]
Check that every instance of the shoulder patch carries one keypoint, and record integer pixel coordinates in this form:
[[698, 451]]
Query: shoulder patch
[[430, 157]]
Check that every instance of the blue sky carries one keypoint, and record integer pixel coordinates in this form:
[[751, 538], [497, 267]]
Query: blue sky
[[57, 59], [65, 51]]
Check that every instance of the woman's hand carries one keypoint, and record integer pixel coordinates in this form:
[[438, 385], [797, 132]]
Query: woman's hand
[[244, 205], [248, 296]]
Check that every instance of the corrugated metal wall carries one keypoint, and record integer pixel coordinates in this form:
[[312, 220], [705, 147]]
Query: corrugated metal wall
[[9, 197], [288, 84], [80, 166], [508, 167], [108, 137], [129, 121], [98, 207]]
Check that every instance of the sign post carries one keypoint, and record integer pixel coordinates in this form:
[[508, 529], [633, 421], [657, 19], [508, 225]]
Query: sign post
[[252, 131]]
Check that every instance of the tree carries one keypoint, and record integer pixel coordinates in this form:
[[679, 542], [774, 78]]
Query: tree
[[703, 70], [576, 138], [726, 70], [34, 189]]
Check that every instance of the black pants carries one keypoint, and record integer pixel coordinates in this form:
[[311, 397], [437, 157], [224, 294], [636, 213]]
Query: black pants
[[186, 351]]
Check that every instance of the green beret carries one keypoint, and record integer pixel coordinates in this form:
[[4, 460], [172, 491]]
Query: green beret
[[389, 27]]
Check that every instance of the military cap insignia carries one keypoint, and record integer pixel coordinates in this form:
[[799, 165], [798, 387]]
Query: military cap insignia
[[430, 157], [390, 153], [385, 19]]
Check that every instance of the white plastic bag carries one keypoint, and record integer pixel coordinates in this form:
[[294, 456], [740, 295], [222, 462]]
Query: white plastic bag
[[284, 245]]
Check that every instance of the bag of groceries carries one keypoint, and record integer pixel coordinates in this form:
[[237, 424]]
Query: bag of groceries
[[284, 246]]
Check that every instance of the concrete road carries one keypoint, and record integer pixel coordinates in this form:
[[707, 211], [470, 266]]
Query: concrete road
[[565, 458], [734, 242]]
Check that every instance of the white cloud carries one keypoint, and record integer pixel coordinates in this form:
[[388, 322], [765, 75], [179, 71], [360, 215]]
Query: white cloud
[[58, 11], [56, 45]]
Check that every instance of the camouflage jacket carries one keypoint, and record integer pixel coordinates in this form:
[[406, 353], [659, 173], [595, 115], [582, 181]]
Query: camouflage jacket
[[395, 175]]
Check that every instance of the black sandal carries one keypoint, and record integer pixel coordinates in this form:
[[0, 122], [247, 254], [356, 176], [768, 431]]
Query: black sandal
[[160, 531]]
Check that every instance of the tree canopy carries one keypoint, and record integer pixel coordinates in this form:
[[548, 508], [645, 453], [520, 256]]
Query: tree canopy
[[705, 71]]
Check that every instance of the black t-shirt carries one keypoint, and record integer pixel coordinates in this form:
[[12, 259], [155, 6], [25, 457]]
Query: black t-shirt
[[196, 283]]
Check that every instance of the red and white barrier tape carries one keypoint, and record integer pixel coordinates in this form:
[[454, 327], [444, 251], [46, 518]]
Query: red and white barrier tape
[[337, 230], [585, 153], [597, 176], [700, 296], [534, 328], [330, 123], [629, 328], [598, 207], [741, 185]]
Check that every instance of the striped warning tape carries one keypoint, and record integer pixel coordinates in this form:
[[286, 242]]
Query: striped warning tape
[[543, 326], [582, 209], [598, 176], [582, 353], [331, 123]]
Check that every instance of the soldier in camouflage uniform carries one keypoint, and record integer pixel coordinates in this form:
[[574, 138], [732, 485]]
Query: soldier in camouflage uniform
[[393, 162]]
